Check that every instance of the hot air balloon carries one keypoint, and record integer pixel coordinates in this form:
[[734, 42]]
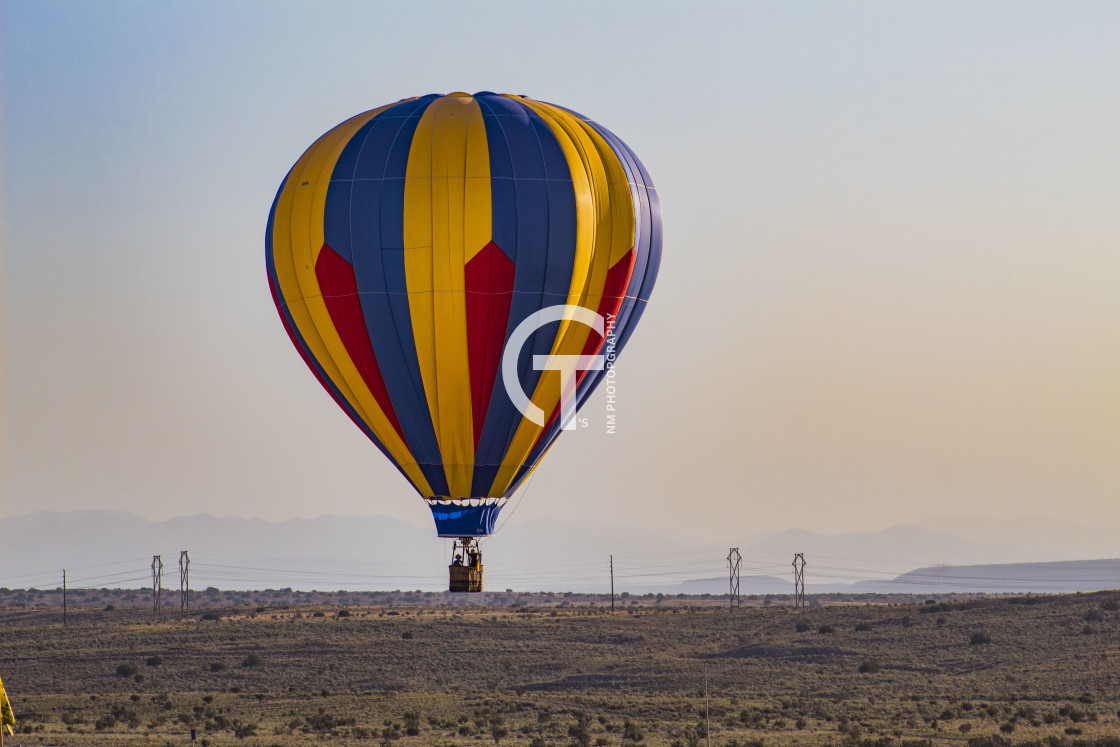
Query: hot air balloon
[[446, 266]]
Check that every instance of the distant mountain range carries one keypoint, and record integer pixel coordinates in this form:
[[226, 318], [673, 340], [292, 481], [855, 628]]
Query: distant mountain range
[[1018, 578], [943, 554]]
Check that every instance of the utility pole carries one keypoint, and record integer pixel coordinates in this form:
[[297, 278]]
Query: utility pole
[[612, 583], [184, 585], [63, 596], [799, 579], [157, 583], [734, 559]]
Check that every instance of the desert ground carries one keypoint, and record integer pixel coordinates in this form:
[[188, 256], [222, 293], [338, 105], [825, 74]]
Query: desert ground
[[408, 669]]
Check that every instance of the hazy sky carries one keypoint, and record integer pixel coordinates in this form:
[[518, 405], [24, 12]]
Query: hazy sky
[[891, 277]]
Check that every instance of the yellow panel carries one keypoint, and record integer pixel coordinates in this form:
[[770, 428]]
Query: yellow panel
[[446, 222], [477, 210], [297, 240], [605, 232]]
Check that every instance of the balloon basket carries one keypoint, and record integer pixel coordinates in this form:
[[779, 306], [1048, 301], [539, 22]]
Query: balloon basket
[[464, 578], [465, 570]]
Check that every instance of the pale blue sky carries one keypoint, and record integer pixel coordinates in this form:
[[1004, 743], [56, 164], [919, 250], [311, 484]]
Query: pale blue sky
[[891, 285]]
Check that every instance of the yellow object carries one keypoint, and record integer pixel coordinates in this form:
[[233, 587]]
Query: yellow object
[[7, 718], [446, 222]]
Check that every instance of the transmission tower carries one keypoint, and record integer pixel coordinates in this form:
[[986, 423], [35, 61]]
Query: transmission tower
[[157, 582], [799, 579], [184, 585], [734, 560]]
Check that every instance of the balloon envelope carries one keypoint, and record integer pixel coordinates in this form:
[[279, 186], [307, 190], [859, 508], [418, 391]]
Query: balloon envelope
[[407, 245]]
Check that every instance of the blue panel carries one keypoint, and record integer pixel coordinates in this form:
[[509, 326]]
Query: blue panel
[[465, 521], [336, 219], [485, 474]]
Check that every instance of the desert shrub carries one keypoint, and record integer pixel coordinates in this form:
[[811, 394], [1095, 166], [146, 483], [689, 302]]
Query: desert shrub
[[631, 732], [241, 730], [1111, 605], [1087, 630], [217, 666], [869, 667], [863, 627], [979, 638], [826, 629], [1092, 616], [323, 722], [803, 627], [407, 635], [952, 606], [1073, 713], [412, 723], [318, 613], [212, 616], [344, 613], [252, 660], [155, 661], [941, 621], [126, 670]]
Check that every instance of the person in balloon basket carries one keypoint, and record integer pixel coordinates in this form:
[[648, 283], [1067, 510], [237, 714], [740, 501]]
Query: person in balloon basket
[[458, 559]]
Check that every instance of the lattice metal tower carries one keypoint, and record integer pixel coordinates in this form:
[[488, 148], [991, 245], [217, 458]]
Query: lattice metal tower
[[799, 580], [734, 560], [184, 585], [157, 583]]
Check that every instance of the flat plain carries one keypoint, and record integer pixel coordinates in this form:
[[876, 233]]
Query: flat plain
[[545, 670]]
